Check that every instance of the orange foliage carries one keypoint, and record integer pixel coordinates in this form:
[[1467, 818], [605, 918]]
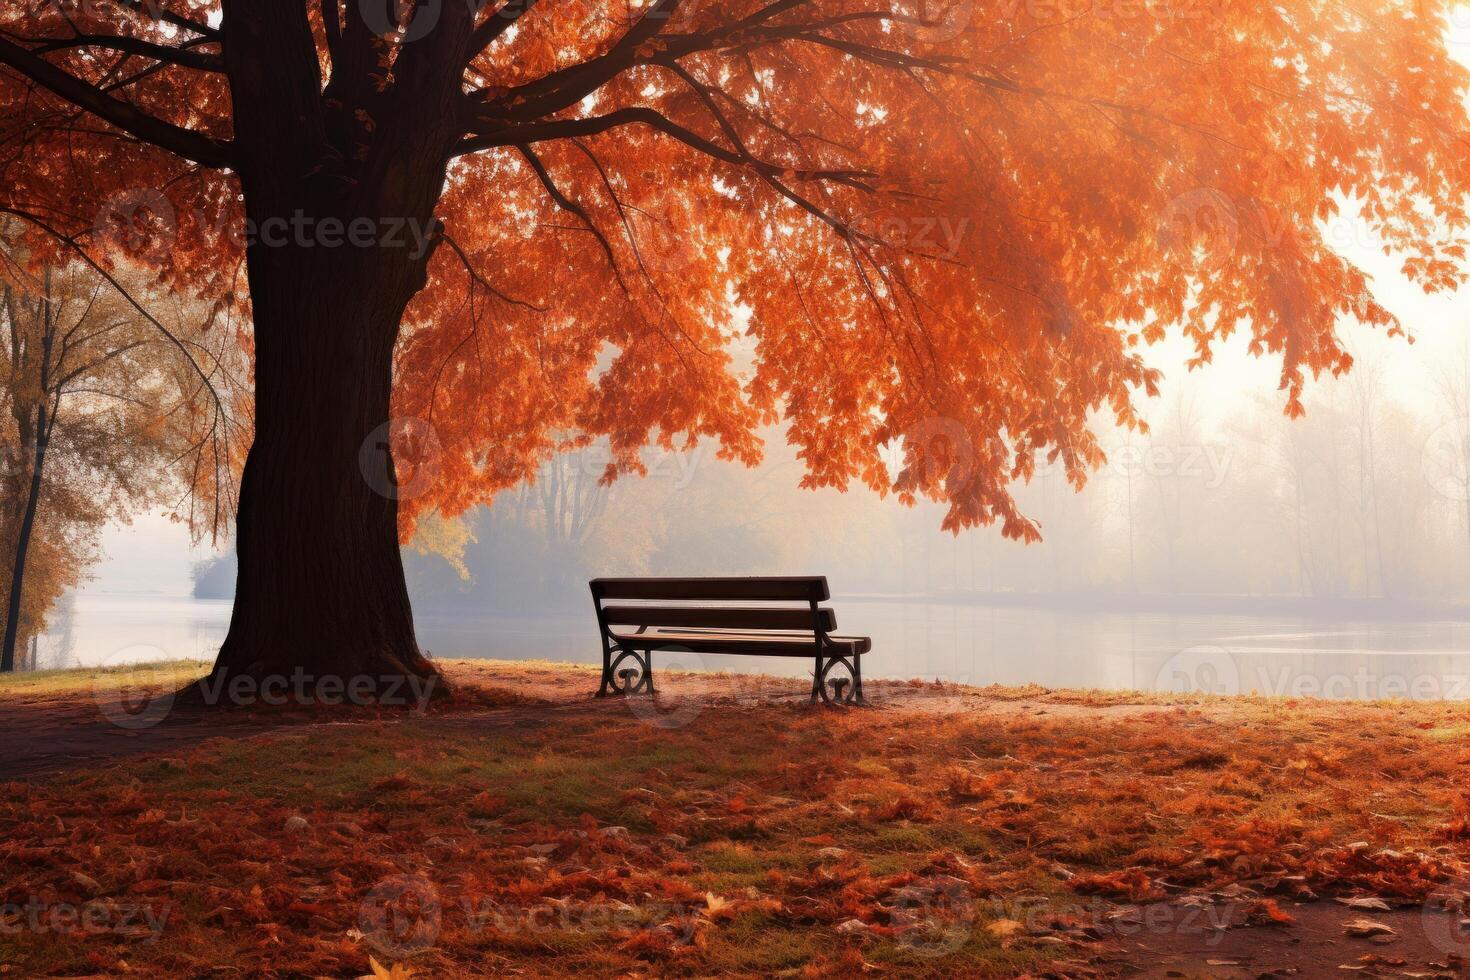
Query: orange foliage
[[950, 228]]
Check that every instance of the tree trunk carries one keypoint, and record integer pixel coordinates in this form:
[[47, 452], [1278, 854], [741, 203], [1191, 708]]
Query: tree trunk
[[23, 542], [321, 591], [321, 594]]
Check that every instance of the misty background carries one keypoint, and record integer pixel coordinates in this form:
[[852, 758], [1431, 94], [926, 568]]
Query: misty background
[[1326, 543]]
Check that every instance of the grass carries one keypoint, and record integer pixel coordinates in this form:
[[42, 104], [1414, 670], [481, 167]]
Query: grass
[[27, 684], [761, 838]]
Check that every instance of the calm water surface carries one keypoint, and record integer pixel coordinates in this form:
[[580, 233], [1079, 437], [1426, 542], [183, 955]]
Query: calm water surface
[[968, 644]]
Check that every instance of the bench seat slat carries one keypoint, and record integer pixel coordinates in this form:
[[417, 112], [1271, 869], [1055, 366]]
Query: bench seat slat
[[776, 589], [756, 644], [720, 617]]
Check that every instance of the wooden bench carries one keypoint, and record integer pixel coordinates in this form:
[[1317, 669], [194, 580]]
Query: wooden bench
[[753, 617]]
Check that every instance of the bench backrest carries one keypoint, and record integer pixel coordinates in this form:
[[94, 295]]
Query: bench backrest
[[809, 588], [686, 591]]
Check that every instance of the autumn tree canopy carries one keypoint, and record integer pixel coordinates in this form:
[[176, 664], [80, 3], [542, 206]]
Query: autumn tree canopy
[[954, 226]]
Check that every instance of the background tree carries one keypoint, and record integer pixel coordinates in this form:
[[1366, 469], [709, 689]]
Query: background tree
[[101, 420], [598, 187], [1452, 444]]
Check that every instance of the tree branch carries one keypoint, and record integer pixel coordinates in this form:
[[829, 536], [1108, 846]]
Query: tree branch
[[485, 283], [591, 125], [560, 89], [152, 69], [204, 150], [499, 22], [151, 12], [566, 203], [182, 56], [728, 128]]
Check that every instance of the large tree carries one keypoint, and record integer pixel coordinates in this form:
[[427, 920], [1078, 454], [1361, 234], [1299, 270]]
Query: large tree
[[953, 226]]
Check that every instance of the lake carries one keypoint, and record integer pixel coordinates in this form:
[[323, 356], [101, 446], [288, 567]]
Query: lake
[[965, 643]]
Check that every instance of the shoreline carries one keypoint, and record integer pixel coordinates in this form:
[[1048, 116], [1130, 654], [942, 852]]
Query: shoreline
[[1351, 608]]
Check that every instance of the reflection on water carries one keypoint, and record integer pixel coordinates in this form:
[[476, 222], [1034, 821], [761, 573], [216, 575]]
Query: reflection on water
[[105, 629], [969, 644]]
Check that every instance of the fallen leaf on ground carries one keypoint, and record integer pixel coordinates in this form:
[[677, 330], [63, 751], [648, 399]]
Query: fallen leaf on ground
[[1003, 928], [1367, 927], [1366, 902]]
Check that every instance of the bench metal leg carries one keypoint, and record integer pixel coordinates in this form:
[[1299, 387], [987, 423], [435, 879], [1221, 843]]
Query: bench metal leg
[[607, 677], [847, 689], [635, 678], [817, 680]]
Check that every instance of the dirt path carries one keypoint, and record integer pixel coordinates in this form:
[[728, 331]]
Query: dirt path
[[58, 735], [1316, 946]]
